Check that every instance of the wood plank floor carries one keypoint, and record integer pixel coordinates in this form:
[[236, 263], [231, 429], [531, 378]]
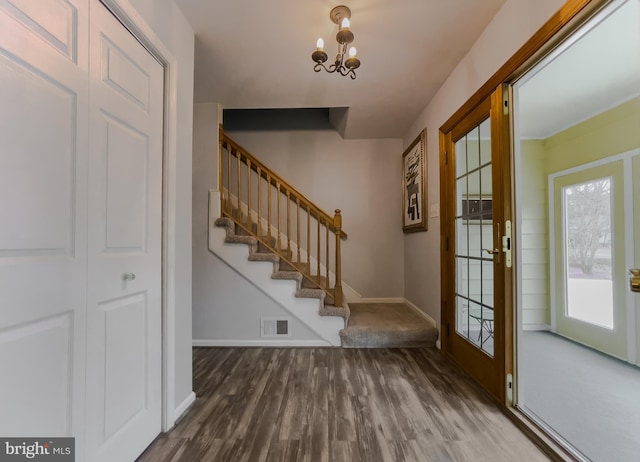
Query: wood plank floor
[[334, 405]]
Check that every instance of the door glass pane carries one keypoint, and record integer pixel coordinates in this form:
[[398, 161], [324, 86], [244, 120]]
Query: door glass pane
[[474, 233], [588, 256]]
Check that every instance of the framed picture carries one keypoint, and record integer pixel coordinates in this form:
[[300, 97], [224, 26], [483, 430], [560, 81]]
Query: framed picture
[[414, 190]]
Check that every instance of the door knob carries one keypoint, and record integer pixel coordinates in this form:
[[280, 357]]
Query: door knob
[[634, 280], [128, 276]]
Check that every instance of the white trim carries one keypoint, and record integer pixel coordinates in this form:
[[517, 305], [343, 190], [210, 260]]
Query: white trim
[[552, 254], [138, 27], [378, 300], [630, 253], [536, 327], [184, 407], [261, 343], [518, 312], [421, 313]]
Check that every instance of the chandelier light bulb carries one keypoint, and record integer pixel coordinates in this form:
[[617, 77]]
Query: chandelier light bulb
[[320, 44], [345, 23], [352, 52]]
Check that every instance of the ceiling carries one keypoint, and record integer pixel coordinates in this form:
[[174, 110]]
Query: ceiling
[[252, 54], [596, 72]]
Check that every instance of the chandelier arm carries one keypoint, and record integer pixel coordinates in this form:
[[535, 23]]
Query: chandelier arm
[[331, 69]]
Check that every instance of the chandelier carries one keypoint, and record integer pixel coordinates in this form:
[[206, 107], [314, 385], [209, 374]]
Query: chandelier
[[339, 15]]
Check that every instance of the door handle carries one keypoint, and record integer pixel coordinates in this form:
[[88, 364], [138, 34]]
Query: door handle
[[128, 276], [492, 251], [634, 280]]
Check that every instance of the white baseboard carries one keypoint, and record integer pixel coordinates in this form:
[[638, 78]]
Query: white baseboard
[[182, 409], [527, 327], [422, 313], [378, 300], [261, 343]]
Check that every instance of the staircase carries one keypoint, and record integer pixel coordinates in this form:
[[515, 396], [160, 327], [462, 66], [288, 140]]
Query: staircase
[[294, 254]]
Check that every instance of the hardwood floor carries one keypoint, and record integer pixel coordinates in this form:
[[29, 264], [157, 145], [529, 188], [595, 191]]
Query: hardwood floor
[[334, 405]]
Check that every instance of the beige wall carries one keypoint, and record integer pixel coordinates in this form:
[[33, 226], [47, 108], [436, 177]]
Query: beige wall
[[360, 177], [514, 24], [612, 132]]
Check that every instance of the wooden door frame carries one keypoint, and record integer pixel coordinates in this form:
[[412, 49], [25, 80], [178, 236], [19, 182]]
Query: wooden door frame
[[572, 15]]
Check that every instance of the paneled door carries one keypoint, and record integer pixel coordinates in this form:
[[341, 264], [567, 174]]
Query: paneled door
[[43, 226], [123, 408], [476, 253]]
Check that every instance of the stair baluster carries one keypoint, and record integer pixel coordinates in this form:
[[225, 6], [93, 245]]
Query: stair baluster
[[302, 258]]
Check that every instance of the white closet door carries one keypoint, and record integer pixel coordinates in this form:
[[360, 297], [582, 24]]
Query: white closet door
[[43, 225], [125, 217]]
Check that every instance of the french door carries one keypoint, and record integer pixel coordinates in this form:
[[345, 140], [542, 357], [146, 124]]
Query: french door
[[476, 244]]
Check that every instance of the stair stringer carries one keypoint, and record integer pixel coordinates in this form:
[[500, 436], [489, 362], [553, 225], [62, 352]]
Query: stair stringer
[[280, 286]]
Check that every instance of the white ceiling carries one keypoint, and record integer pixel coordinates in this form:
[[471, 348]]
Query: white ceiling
[[257, 54], [598, 71]]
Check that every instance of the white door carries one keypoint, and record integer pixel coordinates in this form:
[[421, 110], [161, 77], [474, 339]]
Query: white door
[[125, 215], [596, 237], [43, 225]]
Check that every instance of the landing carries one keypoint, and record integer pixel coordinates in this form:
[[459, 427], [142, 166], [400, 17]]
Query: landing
[[387, 325]]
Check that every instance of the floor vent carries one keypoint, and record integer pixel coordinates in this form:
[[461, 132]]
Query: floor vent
[[275, 327]]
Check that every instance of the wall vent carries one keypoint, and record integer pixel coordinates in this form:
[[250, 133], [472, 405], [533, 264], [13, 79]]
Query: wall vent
[[275, 327]]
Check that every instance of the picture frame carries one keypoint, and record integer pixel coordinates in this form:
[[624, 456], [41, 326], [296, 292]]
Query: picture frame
[[414, 185]]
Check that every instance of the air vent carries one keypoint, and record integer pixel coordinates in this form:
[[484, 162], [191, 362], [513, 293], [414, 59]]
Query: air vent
[[275, 327]]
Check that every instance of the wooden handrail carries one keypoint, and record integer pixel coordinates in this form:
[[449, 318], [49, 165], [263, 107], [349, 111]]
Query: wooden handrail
[[275, 184], [265, 171]]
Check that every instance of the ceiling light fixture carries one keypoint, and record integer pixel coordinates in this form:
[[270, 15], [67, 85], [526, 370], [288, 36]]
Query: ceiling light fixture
[[339, 15]]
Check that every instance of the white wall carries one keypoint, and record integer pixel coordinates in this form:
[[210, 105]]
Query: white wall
[[360, 177], [226, 307], [514, 24], [168, 23], [534, 239]]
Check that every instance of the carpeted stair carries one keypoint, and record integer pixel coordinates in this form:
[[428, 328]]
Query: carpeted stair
[[369, 325], [282, 269], [387, 325]]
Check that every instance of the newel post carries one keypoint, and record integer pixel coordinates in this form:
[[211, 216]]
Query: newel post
[[337, 292]]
